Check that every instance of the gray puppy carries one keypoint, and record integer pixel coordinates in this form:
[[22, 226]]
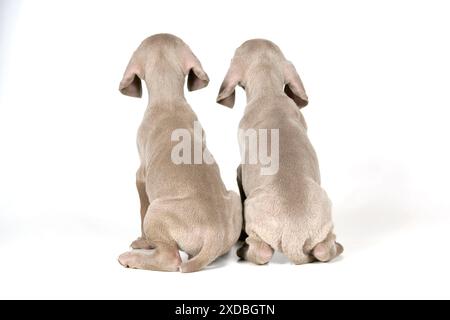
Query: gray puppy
[[183, 206], [286, 211]]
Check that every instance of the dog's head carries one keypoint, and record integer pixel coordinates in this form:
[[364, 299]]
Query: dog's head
[[162, 53], [253, 57]]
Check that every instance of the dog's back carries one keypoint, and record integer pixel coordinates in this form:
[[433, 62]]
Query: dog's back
[[283, 204]]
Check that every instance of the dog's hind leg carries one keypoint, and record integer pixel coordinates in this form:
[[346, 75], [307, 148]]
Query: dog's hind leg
[[165, 257], [328, 249], [255, 250]]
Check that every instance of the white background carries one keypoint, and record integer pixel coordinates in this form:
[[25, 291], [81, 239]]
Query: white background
[[377, 74]]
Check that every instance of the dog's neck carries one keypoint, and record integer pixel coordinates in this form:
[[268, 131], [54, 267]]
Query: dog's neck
[[165, 86], [263, 83]]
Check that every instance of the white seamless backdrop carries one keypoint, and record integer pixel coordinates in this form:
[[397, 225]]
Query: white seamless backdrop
[[377, 74]]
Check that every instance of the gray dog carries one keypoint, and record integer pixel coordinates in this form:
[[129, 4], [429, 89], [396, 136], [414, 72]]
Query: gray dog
[[183, 206], [286, 211]]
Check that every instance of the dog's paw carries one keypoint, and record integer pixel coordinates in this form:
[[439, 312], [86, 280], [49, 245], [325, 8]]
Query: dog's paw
[[140, 243], [127, 259]]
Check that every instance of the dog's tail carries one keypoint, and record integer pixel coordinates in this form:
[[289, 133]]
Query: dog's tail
[[207, 255]]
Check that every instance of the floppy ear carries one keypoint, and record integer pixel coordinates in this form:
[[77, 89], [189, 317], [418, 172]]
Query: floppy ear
[[131, 83], [294, 87], [197, 77], [227, 92]]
